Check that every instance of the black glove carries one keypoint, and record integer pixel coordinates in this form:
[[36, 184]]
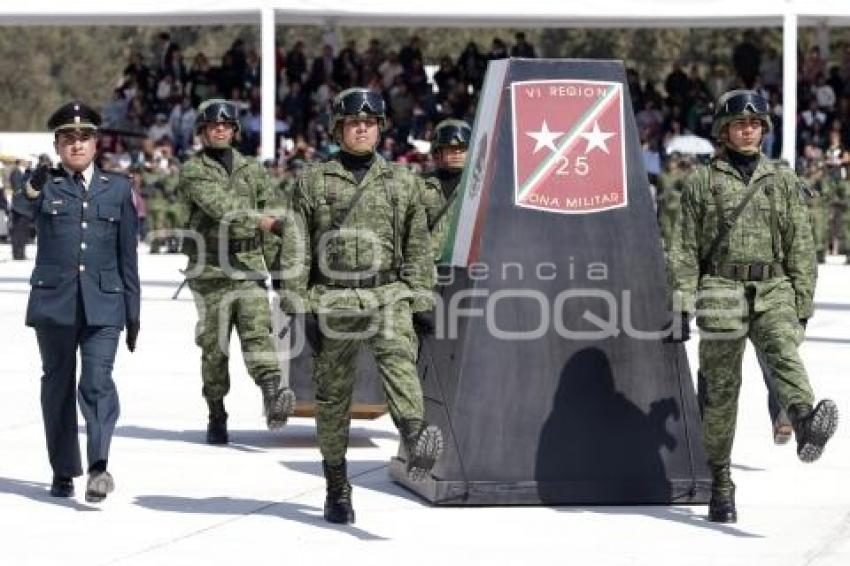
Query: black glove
[[680, 327], [132, 334], [312, 331], [423, 323], [39, 177], [804, 322]]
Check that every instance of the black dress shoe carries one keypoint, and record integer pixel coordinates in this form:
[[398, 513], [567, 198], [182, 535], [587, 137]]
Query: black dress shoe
[[62, 487], [99, 486]]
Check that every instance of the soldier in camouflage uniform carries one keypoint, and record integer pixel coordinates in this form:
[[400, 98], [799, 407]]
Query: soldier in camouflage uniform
[[449, 146], [156, 210], [819, 184], [280, 200], [220, 186], [841, 200], [365, 265], [670, 184], [669, 217], [175, 213], [746, 245]]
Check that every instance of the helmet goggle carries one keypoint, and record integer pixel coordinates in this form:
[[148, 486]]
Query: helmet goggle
[[452, 135], [360, 102], [219, 112], [745, 102]]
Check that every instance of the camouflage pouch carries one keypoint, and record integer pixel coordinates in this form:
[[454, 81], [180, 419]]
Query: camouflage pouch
[[721, 305]]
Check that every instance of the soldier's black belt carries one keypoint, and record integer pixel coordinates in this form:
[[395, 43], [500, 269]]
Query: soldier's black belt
[[366, 282], [747, 271], [244, 245]]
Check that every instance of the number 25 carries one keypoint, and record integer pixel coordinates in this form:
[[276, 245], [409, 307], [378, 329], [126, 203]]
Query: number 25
[[580, 167]]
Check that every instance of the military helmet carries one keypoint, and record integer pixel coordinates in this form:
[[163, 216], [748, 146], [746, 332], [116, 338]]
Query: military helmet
[[740, 104], [451, 133], [217, 111], [358, 102]]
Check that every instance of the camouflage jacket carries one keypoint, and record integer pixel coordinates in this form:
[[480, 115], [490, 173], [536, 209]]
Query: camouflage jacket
[[435, 202], [223, 211], [712, 192], [385, 233], [279, 206], [669, 204]]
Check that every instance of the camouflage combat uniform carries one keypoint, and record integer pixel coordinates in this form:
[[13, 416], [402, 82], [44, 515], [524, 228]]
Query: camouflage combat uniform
[[156, 205], [669, 204], [439, 209], [766, 267], [383, 268], [818, 212], [744, 261], [765, 271], [841, 204], [228, 296]]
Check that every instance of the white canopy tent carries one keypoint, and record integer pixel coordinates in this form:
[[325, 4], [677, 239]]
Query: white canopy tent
[[448, 13]]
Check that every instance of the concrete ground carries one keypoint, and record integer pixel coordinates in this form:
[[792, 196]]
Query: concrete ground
[[259, 500]]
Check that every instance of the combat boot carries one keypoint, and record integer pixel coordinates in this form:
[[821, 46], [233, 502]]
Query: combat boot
[[721, 506], [338, 508], [821, 256], [217, 426], [278, 402], [424, 445], [813, 427]]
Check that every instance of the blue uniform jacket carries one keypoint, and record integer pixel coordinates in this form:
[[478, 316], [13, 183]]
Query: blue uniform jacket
[[86, 248]]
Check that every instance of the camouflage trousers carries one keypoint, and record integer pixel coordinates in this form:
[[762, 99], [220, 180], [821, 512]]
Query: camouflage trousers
[[390, 337], [222, 305], [776, 334]]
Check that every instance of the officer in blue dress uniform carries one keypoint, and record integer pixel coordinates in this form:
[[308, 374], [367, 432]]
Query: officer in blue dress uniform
[[85, 290]]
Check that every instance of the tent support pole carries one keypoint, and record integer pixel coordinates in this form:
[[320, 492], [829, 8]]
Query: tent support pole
[[789, 88], [267, 108]]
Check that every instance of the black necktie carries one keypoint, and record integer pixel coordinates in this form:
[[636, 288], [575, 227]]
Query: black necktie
[[80, 181]]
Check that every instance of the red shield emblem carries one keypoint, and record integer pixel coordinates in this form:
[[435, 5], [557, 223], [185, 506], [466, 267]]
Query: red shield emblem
[[569, 152]]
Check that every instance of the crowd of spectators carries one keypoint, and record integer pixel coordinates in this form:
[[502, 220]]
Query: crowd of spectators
[[686, 107], [157, 98], [149, 123]]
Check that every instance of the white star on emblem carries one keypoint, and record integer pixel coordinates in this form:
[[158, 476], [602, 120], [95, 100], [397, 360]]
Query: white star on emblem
[[544, 138], [596, 138]]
